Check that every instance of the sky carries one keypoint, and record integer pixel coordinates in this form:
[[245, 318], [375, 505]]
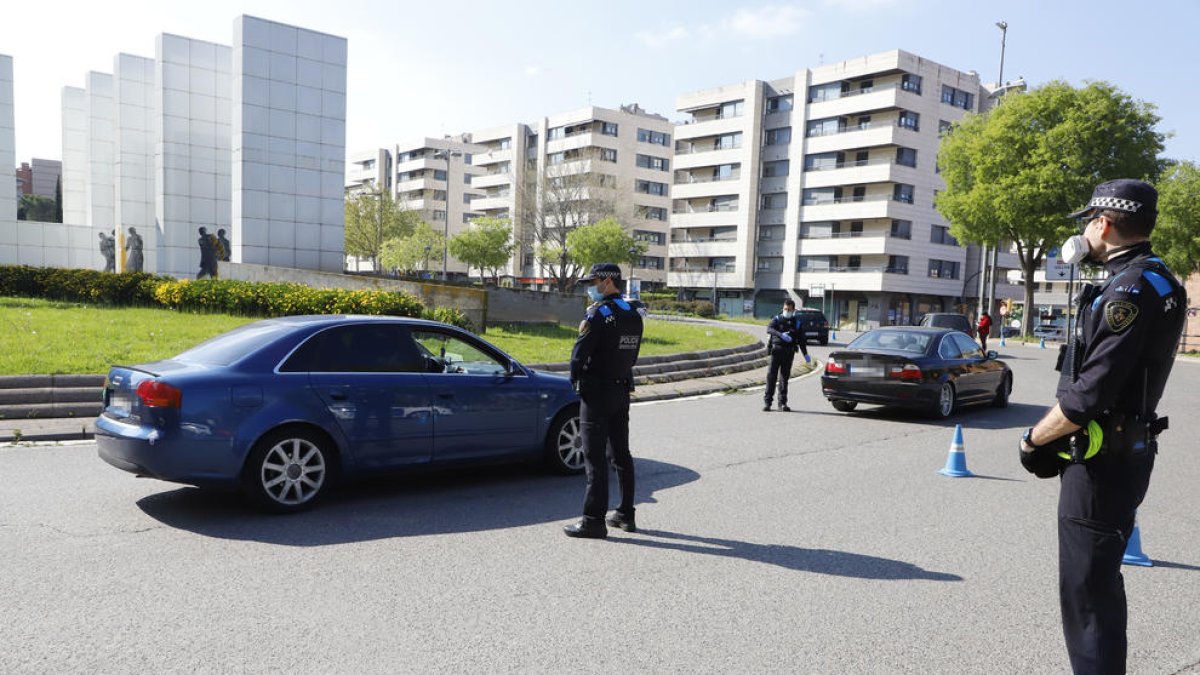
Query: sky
[[432, 68]]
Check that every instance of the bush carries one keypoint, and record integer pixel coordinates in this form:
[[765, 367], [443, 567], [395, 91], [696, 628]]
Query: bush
[[701, 308], [449, 315], [74, 285]]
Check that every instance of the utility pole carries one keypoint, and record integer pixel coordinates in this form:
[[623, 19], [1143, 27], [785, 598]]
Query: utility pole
[[1003, 26]]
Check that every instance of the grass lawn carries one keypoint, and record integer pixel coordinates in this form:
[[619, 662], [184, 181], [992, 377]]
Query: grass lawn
[[39, 337]]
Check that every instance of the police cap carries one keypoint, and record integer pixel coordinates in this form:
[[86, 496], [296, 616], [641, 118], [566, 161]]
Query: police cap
[[1123, 194], [602, 271]]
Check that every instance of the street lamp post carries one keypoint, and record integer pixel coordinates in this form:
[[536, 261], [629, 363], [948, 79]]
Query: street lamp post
[[446, 155], [1003, 26]]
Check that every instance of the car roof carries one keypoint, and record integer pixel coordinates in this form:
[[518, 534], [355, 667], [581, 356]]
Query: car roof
[[335, 319], [918, 329]]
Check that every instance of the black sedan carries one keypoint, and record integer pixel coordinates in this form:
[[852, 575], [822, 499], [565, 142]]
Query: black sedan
[[932, 369]]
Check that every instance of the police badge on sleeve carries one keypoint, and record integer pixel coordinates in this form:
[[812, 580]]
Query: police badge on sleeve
[[1120, 315]]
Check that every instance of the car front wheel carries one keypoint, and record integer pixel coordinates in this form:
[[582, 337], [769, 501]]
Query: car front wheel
[[944, 406], [564, 443], [844, 406], [1001, 400], [288, 471]]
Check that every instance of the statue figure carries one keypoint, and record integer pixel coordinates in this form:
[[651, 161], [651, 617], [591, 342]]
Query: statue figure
[[208, 255], [133, 251], [108, 249], [223, 252]]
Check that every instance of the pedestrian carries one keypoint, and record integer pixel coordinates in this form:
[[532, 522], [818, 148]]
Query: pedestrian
[[108, 249], [1101, 436], [784, 338], [984, 329], [133, 250], [224, 248], [602, 360], [208, 254]]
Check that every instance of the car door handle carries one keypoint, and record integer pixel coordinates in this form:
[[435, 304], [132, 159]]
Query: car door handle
[[445, 394], [337, 395]]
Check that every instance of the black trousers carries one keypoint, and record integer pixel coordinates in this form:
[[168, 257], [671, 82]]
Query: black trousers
[[604, 417], [779, 371], [1096, 508]]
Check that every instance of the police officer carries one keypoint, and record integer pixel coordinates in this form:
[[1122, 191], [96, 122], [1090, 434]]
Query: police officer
[[1101, 436], [610, 337], [785, 336]]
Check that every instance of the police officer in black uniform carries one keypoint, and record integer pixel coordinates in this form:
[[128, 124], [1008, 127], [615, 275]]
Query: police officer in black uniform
[[785, 337], [1101, 436], [602, 360]]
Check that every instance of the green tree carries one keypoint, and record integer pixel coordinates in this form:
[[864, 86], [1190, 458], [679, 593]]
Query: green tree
[[605, 241], [1176, 237], [36, 207], [373, 218], [413, 252], [1014, 172], [487, 244]]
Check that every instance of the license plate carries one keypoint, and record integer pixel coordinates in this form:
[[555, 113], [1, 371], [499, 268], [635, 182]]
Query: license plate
[[866, 371], [120, 402], [811, 332]]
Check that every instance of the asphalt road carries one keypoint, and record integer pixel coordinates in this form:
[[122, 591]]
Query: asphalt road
[[809, 542]]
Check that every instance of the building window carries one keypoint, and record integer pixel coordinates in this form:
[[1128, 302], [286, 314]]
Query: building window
[[467, 178], [656, 163], [656, 238], [906, 157], [816, 263], [939, 234], [648, 187], [723, 171], [776, 169], [731, 109], [910, 82], [439, 174], [728, 141], [770, 264], [943, 269], [468, 158], [439, 214], [506, 143], [654, 213], [825, 127], [903, 193], [957, 98], [655, 137], [823, 161], [467, 197], [854, 262], [779, 103], [608, 128], [897, 264], [825, 92], [901, 229], [778, 200], [368, 165], [770, 233], [439, 195], [909, 120], [608, 155], [650, 263], [780, 136], [466, 217], [944, 127]]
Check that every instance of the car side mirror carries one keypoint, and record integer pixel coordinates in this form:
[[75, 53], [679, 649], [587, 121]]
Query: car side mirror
[[993, 354]]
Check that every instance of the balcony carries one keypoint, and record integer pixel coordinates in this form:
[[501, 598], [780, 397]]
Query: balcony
[[702, 147], [491, 180], [860, 136], [872, 242], [771, 216], [859, 101], [882, 170], [490, 203], [701, 277], [846, 208], [712, 248], [688, 178]]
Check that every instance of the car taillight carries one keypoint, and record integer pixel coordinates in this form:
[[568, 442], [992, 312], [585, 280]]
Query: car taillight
[[909, 371], [155, 394], [832, 367]]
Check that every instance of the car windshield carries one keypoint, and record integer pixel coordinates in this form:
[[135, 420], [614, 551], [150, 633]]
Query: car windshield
[[228, 347], [893, 339]]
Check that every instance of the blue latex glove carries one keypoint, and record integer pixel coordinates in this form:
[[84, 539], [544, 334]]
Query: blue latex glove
[[785, 337], [807, 358]]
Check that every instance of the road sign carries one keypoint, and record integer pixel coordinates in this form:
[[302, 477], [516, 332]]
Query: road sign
[[816, 291], [1057, 269]]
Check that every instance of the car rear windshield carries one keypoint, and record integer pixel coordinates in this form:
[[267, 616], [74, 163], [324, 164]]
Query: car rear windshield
[[229, 347], [893, 339]]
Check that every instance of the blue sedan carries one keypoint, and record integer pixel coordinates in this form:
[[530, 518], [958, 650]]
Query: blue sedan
[[284, 407]]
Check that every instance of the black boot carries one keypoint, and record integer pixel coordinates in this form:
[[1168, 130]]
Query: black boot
[[587, 528], [625, 522]]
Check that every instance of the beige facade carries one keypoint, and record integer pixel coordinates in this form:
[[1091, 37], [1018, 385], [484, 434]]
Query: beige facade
[[820, 186]]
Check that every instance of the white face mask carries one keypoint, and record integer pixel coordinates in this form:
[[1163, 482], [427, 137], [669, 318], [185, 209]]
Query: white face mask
[[1075, 249], [788, 315]]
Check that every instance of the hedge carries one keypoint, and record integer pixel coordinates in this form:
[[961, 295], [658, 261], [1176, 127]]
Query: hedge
[[243, 298]]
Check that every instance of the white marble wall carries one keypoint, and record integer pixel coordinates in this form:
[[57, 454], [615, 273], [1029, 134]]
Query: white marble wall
[[74, 157], [289, 137], [99, 192], [192, 165], [133, 182], [8, 186]]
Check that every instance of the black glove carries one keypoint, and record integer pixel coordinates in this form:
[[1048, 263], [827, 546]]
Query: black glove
[[1043, 461]]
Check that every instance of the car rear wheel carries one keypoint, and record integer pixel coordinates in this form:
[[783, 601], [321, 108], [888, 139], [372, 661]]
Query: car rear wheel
[[1001, 400], [844, 406], [288, 470], [944, 406], [564, 443]]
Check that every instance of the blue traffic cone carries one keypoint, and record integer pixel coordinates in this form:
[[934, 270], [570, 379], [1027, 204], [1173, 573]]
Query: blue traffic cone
[[832, 334], [1002, 339], [1133, 549], [1043, 344], [956, 460]]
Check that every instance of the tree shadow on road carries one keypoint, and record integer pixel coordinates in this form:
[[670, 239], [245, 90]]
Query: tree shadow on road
[[815, 560], [414, 504]]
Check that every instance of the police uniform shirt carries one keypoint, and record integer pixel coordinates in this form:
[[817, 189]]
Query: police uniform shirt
[[1131, 327], [780, 325], [610, 337]]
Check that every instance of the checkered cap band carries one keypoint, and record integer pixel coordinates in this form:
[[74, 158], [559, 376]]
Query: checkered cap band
[[606, 275], [1115, 203]]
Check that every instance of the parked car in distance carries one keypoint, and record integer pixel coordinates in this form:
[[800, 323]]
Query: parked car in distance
[[1010, 331], [931, 369], [1049, 331], [282, 408], [949, 320], [813, 324]]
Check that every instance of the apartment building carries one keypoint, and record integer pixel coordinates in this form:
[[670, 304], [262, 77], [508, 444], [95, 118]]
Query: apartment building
[[434, 177], [820, 187], [624, 155]]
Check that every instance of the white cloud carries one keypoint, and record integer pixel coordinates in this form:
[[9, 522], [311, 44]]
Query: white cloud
[[860, 5], [663, 37], [766, 22], [533, 71]]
